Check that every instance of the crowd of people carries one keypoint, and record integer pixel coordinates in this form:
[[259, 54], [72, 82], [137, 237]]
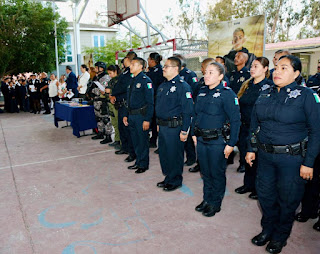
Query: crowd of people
[[270, 115]]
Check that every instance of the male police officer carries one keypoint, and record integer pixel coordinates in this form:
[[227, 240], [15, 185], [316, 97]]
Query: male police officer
[[174, 109], [140, 111], [191, 78], [120, 92], [314, 81]]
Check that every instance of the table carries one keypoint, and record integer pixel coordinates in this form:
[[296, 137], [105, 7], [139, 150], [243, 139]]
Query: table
[[81, 118]]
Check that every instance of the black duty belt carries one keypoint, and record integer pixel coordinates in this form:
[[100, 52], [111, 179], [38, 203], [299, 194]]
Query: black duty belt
[[119, 104], [171, 123], [208, 134], [293, 149], [139, 111]]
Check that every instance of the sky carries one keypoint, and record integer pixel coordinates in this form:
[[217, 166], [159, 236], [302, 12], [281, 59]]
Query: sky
[[156, 10]]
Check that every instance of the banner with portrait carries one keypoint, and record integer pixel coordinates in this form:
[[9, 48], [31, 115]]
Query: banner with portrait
[[229, 37]]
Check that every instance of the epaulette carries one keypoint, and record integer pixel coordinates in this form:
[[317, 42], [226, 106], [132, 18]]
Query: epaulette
[[226, 87], [144, 76], [188, 71], [181, 80]]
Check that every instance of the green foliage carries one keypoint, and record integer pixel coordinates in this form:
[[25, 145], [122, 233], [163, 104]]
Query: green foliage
[[107, 53], [27, 36]]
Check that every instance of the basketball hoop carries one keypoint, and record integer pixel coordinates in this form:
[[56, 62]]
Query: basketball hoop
[[115, 17]]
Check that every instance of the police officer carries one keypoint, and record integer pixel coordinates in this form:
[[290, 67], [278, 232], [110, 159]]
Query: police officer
[[100, 105], [174, 108], [156, 75], [314, 81], [216, 105], [120, 93], [44, 91], [201, 83], [140, 110], [34, 90], [279, 53], [248, 94], [237, 77], [191, 78], [285, 123], [72, 81]]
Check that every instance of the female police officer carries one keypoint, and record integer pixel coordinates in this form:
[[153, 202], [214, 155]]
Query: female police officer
[[216, 105], [284, 118], [248, 94]]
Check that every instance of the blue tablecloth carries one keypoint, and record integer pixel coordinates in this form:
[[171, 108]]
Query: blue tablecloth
[[80, 118]]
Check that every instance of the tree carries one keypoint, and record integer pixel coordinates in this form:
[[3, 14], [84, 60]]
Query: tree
[[107, 53], [27, 36]]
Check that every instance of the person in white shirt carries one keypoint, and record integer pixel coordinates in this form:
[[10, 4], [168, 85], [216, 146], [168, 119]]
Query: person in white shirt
[[62, 89], [53, 89], [83, 81]]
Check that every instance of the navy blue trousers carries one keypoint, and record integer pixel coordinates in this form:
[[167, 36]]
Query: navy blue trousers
[[171, 154], [213, 170], [140, 140], [242, 144], [125, 137], [280, 190], [190, 149]]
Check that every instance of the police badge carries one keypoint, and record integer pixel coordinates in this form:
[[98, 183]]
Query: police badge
[[294, 93], [138, 85]]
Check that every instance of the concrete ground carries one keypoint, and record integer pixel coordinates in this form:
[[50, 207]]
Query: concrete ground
[[68, 195]]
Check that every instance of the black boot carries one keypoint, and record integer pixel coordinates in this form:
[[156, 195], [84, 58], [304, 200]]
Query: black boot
[[98, 136], [106, 140]]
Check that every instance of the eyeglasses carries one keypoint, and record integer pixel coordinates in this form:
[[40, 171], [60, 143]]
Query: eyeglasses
[[167, 66]]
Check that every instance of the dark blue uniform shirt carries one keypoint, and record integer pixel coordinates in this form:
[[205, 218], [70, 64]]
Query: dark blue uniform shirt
[[190, 77], [237, 78], [124, 80], [156, 75], [288, 117], [314, 81], [174, 99], [214, 108], [249, 98], [140, 94]]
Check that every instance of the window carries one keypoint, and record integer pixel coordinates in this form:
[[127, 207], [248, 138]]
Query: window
[[98, 41], [68, 56]]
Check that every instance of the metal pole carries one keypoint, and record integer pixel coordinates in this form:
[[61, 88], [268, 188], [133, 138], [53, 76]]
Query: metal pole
[[56, 40]]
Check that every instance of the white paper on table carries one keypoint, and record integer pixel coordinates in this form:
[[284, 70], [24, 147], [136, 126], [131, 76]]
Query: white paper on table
[[32, 88], [70, 95], [99, 85]]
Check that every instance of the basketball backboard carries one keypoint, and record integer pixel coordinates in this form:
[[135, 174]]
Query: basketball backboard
[[120, 10]]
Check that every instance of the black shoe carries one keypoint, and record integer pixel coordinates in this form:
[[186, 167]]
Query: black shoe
[[117, 147], [141, 170], [161, 184], [201, 207], [210, 210], [253, 195], [134, 166], [261, 239], [47, 113], [195, 169], [121, 152], [106, 140], [99, 136], [189, 163], [171, 187], [303, 218], [152, 145], [242, 190], [115, 143], [275, 247], [316, 226], [156, 151], [130, 158], [241, 169]]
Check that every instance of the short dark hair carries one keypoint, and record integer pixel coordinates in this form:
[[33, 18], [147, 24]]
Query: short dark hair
[[84, 67], [280, 51], [182, 59], [69, 67], [131, 55], [156, 57], [175, 60], [219, 67], [222, 58], [140, 61], [114, 68]]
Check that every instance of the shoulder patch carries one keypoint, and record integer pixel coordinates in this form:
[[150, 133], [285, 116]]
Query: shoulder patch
[[316, 97], [195, 79], [188, 95], [149, 85], [236, 101]]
